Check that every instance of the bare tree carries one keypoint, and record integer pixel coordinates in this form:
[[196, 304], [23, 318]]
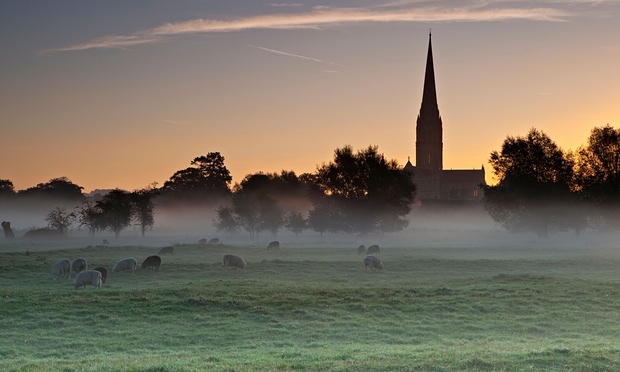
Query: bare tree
[[60, 220]]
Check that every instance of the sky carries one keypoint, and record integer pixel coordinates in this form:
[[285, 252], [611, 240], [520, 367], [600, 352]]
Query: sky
[[122, 93]]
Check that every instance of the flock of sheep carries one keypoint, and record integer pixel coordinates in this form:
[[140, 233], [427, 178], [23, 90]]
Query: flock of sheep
[[95, 277]]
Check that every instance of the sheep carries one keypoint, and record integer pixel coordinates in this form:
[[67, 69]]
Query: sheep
[[84, 278], [126, 264], [373, 249], [373, 262], [8, 232], [166, 250], [152, 261], [61, 269], [361, 249], [104, 273], [214, 241], [79, 264], [105, 242], [274, 245], [233, 261]]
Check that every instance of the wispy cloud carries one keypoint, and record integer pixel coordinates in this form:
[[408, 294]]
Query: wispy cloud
[[112, 42], [295, 55], [282, 5], [321, 17]]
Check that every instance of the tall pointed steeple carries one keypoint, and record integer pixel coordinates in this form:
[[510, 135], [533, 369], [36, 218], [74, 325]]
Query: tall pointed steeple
[[429, 97], [429, 132]]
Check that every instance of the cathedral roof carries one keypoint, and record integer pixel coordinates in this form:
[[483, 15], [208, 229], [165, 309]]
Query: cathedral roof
[[475, 176], [409, 167]]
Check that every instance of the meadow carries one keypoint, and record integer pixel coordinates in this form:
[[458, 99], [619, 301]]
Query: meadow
[[315, 308]]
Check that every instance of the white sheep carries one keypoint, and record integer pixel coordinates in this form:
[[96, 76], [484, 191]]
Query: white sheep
[[87, 277], [230, 260], [373, 262], [61, 269], [127, 264]]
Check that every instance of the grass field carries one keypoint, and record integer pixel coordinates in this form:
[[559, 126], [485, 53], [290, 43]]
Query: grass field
[[316, 308]]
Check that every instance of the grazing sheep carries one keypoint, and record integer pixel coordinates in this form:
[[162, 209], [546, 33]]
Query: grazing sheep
[[152, 261], [126, 264], [233, 261], [373, 262], [166, 250], [78, 265], [214, 241], [274, 245], [202, 241], [104, 273], [373, 249], [88, 277], [361, 249], [8, 232], [61, 269]]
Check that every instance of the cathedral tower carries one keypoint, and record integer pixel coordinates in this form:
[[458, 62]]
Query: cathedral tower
[[433, 183], [429, 145]]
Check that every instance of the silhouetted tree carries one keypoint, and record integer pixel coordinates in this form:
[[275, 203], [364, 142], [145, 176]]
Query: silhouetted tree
[[57, 188], [295, 222], [597, 172], [206, 181], [271, 217], [255, 206], [226, 220], [144, 207], [187, 180], [245, 210], [326, 217], [60, 220], [90, 217], [598, 166], [362, 192], [117, 210], [534, 188], [6, 188], [216, 174]]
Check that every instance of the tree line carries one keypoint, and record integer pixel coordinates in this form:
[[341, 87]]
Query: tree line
[[543, 189], [358, 192]]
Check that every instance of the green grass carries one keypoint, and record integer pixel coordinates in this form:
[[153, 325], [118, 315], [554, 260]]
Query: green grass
[[316, 309]]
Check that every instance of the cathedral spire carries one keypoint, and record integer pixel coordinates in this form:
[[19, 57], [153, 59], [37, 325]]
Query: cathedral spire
[[429, 145], [429, 97]]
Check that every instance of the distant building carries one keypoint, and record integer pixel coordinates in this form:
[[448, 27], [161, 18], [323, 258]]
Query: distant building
[[432, 181]]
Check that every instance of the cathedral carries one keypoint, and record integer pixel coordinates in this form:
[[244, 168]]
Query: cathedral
[[431, 180]]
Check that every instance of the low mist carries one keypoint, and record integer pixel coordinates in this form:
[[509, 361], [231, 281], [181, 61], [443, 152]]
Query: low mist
[[445, 227]]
